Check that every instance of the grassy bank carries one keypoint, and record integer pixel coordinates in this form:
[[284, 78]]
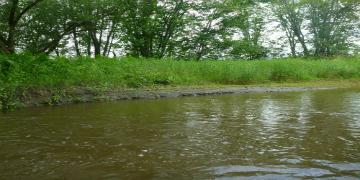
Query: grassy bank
[[21, 73]]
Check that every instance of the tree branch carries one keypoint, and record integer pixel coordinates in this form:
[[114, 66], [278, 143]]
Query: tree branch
[[27, 8], [51, 46]]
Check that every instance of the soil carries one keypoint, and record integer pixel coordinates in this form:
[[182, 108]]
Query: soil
[[83, 95]]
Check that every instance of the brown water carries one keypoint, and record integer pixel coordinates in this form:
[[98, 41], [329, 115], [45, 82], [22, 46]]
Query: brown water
[[266, 136]]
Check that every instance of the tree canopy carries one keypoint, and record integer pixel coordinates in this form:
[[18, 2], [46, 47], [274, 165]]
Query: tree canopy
[[180, 29]]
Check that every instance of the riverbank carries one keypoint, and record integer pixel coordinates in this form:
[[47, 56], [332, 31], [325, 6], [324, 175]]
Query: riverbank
[[46, 97], [39, 80]]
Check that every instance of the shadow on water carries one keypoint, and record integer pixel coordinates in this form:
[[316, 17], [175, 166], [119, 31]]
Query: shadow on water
[[255, 136]]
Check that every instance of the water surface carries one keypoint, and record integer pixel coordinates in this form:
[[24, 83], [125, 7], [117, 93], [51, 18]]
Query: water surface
[[295, 135]]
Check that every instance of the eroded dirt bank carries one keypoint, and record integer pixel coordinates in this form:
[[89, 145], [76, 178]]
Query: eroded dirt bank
[[82, 95]]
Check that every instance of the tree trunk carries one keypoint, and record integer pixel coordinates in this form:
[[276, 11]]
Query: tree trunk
[[110, 46], [88, 48], [96, 43], [76, 42], [303, 44], [12, 27], [293, 50], [109, 40], [292, 41]]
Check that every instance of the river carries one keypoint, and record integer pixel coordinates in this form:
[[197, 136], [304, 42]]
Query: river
[[296, 135]]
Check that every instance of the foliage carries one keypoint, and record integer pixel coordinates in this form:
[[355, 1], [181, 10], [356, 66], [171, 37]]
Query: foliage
[[329, 24], [178, 29]]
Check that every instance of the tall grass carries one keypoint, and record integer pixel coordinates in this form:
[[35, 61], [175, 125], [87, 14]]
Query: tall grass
[[41, 71]]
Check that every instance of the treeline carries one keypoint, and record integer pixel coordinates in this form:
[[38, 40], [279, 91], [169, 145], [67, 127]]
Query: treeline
[[180, 29]]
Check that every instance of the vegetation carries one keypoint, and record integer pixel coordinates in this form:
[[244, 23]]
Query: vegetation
[[180, 29], [21, 73]]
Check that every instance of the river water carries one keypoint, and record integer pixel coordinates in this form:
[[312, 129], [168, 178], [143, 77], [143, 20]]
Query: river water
[[295, 135]]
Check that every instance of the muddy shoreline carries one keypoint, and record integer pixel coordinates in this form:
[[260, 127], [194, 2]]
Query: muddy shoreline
[[85, 95]]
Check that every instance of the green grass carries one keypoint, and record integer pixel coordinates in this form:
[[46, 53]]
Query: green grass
[[25, 72], [29, 71]]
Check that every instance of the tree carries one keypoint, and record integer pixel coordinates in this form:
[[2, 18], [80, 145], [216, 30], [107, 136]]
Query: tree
[[182, 29], [150, 25], [43, 34], [247, 23], [330, 25], [291, 17], [102, 19], [202, 34], [14, 11]]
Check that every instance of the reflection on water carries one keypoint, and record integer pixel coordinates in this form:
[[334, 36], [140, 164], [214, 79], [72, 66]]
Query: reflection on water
[[255, 136]]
